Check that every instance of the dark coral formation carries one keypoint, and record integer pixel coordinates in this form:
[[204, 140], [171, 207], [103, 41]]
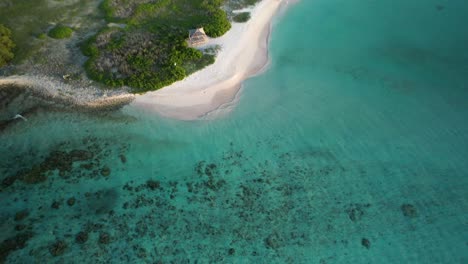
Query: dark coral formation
[[365, 243], [21, 215], [274, 241], [69, 163], [13, 243], [356, 211], [55, 205], [153, 185], [58, 248], [105, 171], [81, 237], [104, 238], [409, 210], [71, 201], [122, 158], [262, 208]]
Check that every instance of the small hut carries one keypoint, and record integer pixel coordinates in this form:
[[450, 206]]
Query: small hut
[[197, 37]]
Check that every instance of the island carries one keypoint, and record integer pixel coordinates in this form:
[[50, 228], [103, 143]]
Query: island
[[115, 52]]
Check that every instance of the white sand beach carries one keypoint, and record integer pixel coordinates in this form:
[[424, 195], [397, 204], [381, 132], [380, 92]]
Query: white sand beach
[[244, 53]]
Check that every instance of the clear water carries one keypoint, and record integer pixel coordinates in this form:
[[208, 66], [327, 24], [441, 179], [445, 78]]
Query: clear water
[[351, 148]]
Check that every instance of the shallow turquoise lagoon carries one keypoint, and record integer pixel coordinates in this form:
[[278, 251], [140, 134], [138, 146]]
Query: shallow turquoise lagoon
[[351, 148]]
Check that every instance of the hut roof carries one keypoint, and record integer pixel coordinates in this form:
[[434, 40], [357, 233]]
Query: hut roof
[[197, 32], [197, 37]]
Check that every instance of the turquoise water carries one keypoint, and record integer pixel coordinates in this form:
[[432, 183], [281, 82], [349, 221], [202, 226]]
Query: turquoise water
[[351, 148]]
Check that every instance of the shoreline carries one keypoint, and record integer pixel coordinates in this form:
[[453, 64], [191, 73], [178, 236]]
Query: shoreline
[[244, 54], [86, 98]]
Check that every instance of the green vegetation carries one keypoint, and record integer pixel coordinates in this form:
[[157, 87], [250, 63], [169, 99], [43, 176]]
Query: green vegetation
[[241, 17], [60, 32], [239, 4], [140, 60], [42, 36], [151, 51], [6, 46], [147, 51], [28, 19]]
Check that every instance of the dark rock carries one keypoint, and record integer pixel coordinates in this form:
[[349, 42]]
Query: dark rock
[[356, 211], [123, 159], [80, 155], [81, 237], [55, 205], [20, 227], [199, 168], [141, 228], [71, 201], [35, 175], [93, 227], [365, 243], [87, 166], [57, 160], [105, 171], [58, 248], [140, 252], [231, 251], [355, 214], [8, 181], [273, 241], [63, 174], [104, 238], [210, 169], [153, 185], [409, 210], [21, 215], [12, 244]]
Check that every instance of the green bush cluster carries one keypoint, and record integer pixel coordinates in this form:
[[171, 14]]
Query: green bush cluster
[[150, 73], [218, 24], [149, 8], [6, 46], [107, 10], [60, 32], [42, 36], [241, 17], [239, 4], [168, 58]]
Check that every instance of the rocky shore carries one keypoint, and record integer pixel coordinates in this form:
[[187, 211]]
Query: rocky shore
[[26, 94]]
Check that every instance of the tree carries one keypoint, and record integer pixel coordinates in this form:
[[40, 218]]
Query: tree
[[6, 46], [60, 32], [218, 23]]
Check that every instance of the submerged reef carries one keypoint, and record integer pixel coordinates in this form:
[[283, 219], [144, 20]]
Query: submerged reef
[[13, 243], [226, 207], [68, 164]]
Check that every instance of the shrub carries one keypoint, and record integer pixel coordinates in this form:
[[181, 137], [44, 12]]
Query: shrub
[[42, 36], [107, 9], [218, 24], [60, 32], [241, 17], [6, 46]]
